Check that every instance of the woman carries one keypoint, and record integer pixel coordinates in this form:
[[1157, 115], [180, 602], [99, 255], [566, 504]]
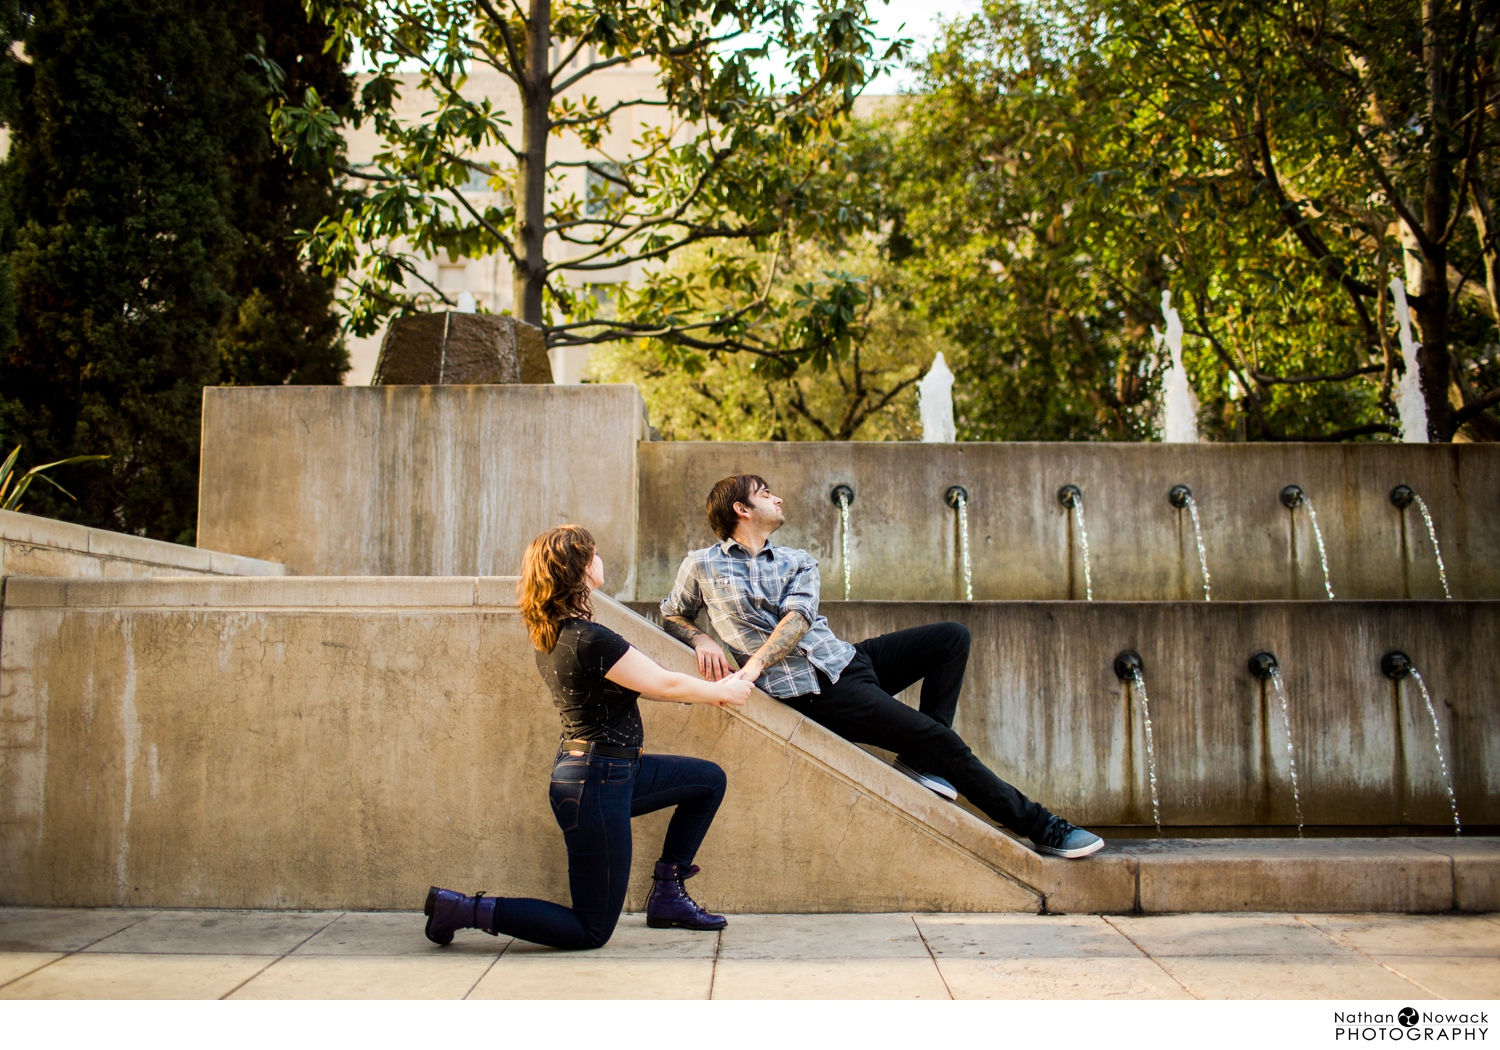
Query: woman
[[600, 778]]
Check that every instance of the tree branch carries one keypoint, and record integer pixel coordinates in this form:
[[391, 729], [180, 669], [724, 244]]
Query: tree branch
[[1335, 377], [1475, 407]]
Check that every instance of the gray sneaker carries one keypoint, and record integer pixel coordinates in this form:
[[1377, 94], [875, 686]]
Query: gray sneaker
[[1062, 839], [931, 781]]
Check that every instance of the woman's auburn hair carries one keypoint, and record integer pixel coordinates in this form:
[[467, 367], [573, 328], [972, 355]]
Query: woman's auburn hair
[[554, 582]]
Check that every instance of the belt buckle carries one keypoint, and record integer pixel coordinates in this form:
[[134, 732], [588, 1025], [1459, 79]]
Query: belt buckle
[[577, 754]]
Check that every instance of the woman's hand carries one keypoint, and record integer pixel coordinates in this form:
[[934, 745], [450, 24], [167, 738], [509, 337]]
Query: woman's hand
[[735, 691]]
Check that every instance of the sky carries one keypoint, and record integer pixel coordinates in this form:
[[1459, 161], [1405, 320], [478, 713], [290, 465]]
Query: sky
[[921, 18]]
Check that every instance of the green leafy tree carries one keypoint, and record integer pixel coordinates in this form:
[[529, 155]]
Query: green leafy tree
[[867, 395], [149, 233], [1273, 164], [732, 160]]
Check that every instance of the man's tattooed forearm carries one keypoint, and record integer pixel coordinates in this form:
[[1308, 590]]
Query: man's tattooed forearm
[[681, 628], [784, 639]]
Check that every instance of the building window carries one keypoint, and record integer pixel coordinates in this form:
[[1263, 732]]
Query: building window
[[601, 190], [453, 278]]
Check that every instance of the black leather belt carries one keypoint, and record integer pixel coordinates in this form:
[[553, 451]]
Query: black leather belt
[[591, 747]]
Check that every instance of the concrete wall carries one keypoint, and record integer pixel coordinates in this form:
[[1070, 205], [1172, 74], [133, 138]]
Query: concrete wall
[[1042, 706], [1024, 544], [34, 546], [331, 743], [425, 481]]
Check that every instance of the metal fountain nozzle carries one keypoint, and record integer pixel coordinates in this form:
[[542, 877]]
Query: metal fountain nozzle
[[1263, 664], [1128, 665], [842, 495], [1070, 496], [1178, 496], [1395, 665], [954, 494], [1291, 497], [1401, 496]]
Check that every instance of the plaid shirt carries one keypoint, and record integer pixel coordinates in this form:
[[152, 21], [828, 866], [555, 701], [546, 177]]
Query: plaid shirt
[[746, 597]]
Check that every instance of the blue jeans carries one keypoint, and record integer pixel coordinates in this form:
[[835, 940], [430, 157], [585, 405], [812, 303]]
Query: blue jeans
[[593, 799]]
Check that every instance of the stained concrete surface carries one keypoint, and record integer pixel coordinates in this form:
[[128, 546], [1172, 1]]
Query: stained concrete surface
[[418, 480], [70, 954], [904, 539], [36, 546]]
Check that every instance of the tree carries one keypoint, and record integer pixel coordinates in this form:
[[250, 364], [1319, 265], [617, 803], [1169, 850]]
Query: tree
[[732, 160], [869, 395], [149, 234], [1072, 158]]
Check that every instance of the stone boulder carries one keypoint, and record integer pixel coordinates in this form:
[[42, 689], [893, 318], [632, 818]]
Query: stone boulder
[[455, 348]]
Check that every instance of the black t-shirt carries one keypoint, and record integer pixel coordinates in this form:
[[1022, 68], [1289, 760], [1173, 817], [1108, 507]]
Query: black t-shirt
[[593, 708]]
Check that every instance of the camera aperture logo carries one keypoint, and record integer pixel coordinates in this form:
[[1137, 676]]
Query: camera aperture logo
[[1410, 1025]]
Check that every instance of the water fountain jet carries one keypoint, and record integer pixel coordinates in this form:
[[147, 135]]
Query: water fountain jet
[[957, 497], [1264, 666], [842, 496], [1071, 497], [1181, 496], [1402, 497], [1293, 497], [1128, 669], [1396, 665]]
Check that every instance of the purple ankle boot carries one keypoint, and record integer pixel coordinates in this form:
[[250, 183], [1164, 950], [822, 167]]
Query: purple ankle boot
[[669, 904], [449, 910]]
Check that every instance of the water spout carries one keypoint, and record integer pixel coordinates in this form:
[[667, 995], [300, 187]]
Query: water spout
[[957, 497], [842, 496], [1181, 496], [1071, 497], [1179, 406], [1128, 668], [1396, 666], [1411, 407], [1402, 496], [1293, 497], [1263, 666], [935, 402]]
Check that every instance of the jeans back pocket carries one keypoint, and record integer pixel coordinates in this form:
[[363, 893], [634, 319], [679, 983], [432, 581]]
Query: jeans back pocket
[[566, 792]]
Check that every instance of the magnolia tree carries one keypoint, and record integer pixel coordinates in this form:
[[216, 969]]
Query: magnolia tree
[[734, 158]]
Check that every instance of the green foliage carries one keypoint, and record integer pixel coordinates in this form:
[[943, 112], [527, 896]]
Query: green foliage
[[1067, 160], [149, 240], [867, 394], [13, 486], [732, 161]]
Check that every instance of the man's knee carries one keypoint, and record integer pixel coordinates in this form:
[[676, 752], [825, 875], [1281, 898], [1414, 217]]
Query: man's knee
[[957, 637]]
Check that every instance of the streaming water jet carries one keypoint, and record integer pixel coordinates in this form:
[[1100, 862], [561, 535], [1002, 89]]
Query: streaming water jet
[[842, 496], [1181, 496], [1071, 497], [1396, 665], [1128, 669], [1263, 666], [1403, 496], [957, 497], [1293, 497]]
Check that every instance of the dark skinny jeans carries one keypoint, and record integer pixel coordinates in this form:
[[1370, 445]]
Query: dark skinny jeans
[[861, 706], [593, 799]]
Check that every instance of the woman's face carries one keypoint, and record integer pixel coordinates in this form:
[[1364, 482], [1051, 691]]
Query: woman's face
[[595, 575]]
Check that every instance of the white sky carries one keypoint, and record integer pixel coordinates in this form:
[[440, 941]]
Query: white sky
[[921, 18]]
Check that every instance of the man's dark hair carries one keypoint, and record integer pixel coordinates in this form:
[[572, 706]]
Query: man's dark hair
[[737, 488]]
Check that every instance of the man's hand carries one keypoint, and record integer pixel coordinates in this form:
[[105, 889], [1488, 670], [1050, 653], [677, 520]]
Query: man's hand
[[712, 663]]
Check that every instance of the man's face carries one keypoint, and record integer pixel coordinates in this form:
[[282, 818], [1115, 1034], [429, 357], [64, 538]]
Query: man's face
[[764, 509]]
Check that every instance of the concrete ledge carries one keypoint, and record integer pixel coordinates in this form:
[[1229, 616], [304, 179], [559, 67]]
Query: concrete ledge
[[1476, 870], [295, 592], [1327, 875], [37, 546]]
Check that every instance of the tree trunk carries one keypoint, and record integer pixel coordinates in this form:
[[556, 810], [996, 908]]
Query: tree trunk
[[1437, 202], [531, 170]]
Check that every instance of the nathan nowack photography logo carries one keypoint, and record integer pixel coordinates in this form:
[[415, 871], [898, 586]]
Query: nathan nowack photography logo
[[1410, 1025]]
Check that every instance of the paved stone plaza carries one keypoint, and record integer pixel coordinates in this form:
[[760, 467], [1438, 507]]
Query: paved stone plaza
[[118, 953]]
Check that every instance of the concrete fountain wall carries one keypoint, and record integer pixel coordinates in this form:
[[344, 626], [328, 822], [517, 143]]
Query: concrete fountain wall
[[1024, 544], [422, 480]]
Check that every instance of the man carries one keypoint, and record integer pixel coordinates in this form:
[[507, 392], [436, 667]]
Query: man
[[763, 601]]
